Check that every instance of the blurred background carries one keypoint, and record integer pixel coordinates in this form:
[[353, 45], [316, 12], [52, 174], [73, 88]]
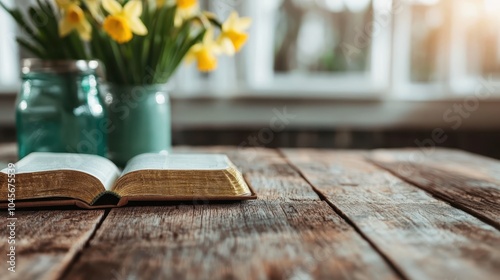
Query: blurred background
[[336, 74]]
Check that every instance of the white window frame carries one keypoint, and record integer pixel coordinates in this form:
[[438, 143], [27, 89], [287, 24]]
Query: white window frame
[[9, 57], [260, 68], [455, 84]]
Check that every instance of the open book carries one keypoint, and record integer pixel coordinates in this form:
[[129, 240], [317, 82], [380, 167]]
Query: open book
[[89, 181]]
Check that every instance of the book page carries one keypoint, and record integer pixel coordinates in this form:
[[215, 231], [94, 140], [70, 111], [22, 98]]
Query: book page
[[177, 162], [101, 168]]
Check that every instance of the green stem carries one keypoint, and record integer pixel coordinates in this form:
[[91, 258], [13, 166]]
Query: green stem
[[118, 56]]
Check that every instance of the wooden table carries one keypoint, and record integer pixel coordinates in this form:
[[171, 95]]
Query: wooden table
[[321, 214]]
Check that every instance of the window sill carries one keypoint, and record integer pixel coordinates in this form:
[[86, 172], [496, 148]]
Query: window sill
[[249, 111]]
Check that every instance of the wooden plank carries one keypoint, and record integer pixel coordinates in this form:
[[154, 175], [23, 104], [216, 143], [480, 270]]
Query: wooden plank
[[467, 181], [270, 238], [46, 241], [256, 240], [422, 236]]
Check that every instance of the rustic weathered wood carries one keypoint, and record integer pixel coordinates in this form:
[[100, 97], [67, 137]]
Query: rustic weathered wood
[[421, 235], [468, 181], [46, 242], [255, 240], [287, 234]]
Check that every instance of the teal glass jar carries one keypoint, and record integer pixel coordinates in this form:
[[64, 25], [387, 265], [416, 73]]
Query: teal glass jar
[[139, 121], [60, 108]]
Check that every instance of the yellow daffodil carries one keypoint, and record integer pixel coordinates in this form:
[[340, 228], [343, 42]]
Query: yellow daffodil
[[64, 3], [73, 18], [123, 22], [185, 9], [233, 36], [94, 7], [205, 53]]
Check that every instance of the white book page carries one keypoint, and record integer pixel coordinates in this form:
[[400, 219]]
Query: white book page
[[177, 162], [101, 168]]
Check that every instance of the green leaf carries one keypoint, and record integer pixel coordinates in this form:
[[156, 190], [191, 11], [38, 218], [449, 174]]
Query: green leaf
[[29, 47]]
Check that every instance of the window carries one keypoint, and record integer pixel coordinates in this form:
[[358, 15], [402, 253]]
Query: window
[[443, 47], [310, 34], [476, 48], [306, 48], [428, 33], [330, 46], [417, 49]]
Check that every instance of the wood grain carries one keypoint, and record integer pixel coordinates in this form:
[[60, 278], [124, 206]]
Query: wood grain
[[468, 181], [286, 234], [252, 240], [424, 237], [46, 241]]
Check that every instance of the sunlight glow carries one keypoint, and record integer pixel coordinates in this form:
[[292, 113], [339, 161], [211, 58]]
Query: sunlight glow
[[311, 39], [357, 6], [469, 10], [335, 6], [382, 5], [427, 2], [492, 6]]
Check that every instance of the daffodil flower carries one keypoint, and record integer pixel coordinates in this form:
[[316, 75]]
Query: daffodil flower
[[73, 18], [123, 22], [64, 3], [233, 36], [205, 53], [185, 9], [94, 7]]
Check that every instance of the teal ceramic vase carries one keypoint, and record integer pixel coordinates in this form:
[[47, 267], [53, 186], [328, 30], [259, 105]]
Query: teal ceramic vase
[[60, 108], [139, 121]]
